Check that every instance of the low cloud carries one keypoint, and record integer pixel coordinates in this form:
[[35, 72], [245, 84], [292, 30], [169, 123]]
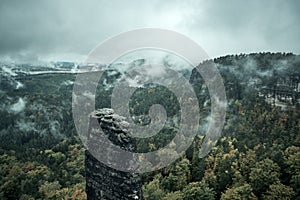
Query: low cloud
[[19, 106], [26, 126]]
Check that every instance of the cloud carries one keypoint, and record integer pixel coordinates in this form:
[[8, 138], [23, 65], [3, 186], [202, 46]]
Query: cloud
[[19, 85], [26, 126], [248, 26], [69, 30], [19, 106], [8, 71]]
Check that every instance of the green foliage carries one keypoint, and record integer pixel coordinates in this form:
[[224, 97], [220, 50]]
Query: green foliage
[[46, 178], [198, 191], [173, 196], [265, 173], [239, 193], [178, 176], [48, 189], [279, 191], [152, 190]]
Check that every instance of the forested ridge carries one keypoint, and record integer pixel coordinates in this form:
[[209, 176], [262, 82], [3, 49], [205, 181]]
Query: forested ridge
[[257, 157]]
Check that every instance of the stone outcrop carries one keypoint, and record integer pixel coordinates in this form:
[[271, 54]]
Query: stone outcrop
[[102, 181]]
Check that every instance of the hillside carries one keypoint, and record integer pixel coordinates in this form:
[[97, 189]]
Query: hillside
[[257, 157]]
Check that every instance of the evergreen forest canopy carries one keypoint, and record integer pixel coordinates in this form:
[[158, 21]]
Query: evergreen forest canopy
[[257, 157]]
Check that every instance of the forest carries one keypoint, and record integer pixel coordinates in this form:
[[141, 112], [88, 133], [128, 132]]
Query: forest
[[257, 157]]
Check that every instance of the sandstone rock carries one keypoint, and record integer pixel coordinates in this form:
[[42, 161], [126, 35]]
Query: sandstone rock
[[103, 182]]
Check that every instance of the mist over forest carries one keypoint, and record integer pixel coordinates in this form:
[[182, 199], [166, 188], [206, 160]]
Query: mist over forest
[[257, 156], [149, 100]]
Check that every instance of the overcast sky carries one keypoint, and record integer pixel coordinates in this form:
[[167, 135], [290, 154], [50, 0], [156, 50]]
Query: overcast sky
[[69, 29]]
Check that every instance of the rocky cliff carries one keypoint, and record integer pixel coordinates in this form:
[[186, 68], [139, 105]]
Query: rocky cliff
[[103, 182]]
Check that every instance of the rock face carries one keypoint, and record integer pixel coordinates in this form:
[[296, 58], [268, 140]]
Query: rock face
[[103, 182]]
